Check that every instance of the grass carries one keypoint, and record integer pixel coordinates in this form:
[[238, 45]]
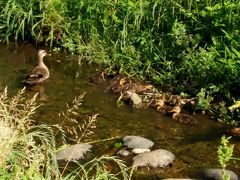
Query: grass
[[28, 150], [185, 45]]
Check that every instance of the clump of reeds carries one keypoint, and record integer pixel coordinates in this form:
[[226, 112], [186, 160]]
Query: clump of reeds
[[28, 150]]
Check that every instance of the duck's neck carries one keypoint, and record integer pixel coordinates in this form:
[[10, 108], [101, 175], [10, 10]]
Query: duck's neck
[[176, 113], [42, 65], [40, 61]]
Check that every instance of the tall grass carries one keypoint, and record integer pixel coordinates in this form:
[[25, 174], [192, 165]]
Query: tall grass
[[187, 45], [27, 150]]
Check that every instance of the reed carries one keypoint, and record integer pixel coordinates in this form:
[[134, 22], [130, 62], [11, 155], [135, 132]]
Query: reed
[[28, 150]]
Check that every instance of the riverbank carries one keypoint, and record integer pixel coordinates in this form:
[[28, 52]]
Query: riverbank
[[185, 47]]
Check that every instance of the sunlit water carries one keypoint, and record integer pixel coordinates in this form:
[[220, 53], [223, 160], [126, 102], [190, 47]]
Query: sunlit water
[[195, 147]]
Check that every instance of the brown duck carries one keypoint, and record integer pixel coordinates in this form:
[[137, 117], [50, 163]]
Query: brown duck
[[40, 73], [162, 107], [182, 118]]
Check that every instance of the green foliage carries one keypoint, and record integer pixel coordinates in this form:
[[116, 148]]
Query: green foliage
[[225, 153], [205, 98]]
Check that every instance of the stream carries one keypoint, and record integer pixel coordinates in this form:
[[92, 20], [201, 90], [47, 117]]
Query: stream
[[195, 146]]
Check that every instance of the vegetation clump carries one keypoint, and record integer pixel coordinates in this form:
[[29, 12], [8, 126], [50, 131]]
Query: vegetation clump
[[28, 150]]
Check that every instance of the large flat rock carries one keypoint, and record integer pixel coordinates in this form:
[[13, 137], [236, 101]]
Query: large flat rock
[[157, 158], [73, 152]]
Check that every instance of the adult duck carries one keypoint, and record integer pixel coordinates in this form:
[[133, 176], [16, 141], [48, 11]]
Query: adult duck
[[182, 118], [40, 73]]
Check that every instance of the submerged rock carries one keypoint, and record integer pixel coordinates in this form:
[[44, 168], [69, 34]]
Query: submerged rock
[[134, 97], [140, 150], [73, 152], [137, 142], [157, 158], [123, 152], [216, 174], [6, 141]]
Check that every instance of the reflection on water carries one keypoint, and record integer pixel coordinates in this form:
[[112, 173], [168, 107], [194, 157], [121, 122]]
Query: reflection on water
[[195, 147]]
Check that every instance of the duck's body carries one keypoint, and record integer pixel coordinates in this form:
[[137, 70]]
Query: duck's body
[[235, 131], [182, 118], [40, 73]]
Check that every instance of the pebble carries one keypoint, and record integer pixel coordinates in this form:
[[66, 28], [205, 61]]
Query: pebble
[[123, 152], [140, 150]]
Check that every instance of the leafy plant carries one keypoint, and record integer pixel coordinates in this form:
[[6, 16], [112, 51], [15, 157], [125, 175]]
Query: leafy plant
[[225, 153]]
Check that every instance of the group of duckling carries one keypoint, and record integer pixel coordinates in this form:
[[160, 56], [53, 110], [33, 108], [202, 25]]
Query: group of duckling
[[141, 95], [174, 105], [146, 95]]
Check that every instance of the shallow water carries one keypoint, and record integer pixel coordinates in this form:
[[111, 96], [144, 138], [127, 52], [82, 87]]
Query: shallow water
[[195, 147]]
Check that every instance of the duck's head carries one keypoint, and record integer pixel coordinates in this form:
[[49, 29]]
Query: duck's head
[[42, 53]]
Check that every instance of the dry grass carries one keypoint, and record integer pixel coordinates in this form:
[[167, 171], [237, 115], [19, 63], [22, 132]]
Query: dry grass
[[27, 150]]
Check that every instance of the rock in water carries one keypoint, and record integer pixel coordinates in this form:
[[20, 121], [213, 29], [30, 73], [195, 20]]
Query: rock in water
[[123, 152], [216, 174], [140, 150], [137, 142], [157, 158], [73, 152]]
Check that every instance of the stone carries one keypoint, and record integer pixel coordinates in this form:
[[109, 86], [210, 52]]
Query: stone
[[123, 152], [137, 142], [5, 134], [156, 158], [134, 97], [73, 152], [7, 138], [216, 174], [140, 150]]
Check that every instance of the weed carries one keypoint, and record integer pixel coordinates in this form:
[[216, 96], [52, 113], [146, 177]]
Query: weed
[[225, 153], [28, 150]]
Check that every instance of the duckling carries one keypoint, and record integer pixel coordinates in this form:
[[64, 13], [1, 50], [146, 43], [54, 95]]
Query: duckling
[[135, 87], [182, 118], [235, 131], [162, 107], [99, 77], [40, 73], [175, 100]]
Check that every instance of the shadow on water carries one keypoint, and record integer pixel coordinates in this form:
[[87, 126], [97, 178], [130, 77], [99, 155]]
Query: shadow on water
[[195, 147]]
